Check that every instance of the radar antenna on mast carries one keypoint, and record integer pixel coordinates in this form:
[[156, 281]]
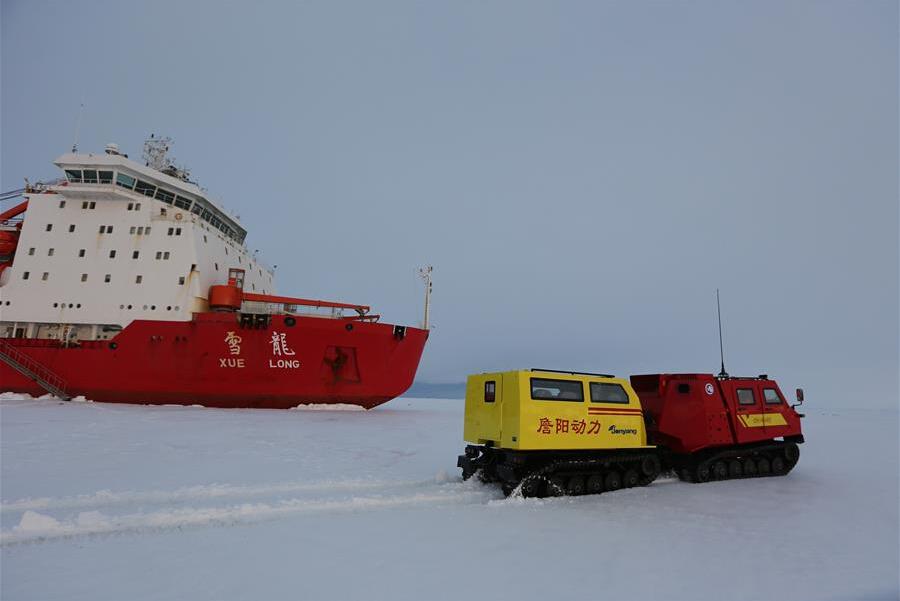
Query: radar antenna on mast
[[156, 157], [425, 274]]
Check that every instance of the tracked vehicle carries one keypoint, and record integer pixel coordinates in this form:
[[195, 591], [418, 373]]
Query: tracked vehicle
[[552, 433], [555, 433]]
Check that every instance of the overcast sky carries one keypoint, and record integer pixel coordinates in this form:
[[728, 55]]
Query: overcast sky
[[582, 175]]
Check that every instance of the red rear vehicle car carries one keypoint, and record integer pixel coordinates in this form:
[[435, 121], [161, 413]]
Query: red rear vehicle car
[[718, 427]]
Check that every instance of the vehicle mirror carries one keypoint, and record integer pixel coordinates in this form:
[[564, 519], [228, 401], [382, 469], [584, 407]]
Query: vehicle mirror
[[799, 396]]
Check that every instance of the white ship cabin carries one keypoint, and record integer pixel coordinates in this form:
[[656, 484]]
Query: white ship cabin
[[116, 241]]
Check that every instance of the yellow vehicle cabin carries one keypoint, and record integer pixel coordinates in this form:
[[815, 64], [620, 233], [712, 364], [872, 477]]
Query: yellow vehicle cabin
[[528, 410]]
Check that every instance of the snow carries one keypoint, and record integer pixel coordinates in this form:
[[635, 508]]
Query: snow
[[127, 502]]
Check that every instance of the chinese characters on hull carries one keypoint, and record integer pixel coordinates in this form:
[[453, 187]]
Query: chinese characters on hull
[[282, 353]]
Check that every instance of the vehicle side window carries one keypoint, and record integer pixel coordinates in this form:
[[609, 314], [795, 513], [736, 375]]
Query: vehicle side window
[[543, 389], [604, 392], [771, 396], [745, 396], [490, 391]]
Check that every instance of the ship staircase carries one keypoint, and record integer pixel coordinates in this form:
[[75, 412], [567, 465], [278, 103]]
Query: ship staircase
[[28, 367]]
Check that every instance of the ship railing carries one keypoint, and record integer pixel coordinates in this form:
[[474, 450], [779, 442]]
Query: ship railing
[[29, 367]]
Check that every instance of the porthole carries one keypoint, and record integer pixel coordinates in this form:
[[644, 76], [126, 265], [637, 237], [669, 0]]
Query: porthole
[[78, 306], [290, 321], [121, 306], [153, 307], [113, 345], [169, 308], [70, 305], [129, 307], [145, 307], [349, 327], [55, 305]]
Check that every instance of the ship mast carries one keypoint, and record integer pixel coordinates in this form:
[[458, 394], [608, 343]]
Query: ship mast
[[425, 274]]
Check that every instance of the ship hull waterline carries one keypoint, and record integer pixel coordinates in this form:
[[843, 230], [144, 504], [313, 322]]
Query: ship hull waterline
[[214, 361]]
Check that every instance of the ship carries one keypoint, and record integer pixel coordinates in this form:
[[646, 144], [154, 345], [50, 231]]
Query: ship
[[125, 282]]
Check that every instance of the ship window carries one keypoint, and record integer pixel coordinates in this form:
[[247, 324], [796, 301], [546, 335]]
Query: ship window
[[50, 252], [81, 252], [84, 205], [130, 206], [73, 175], [490, 391], [158, 255], [165, 196], [745, 396], [62, 204], [90, 176], [181, 281], [205, 240], [556, 390], [198, 209], [162, 211], [166, 256], [217, 266], [112, 254], [46, 276], [140, 231], [147, 230], [182, 203], [71, 228], [126, 181], [135, 254], [606, 392], [105, 177], [144, 188], [216, 222], [138, 279], [25, 275], [171, 231], [49, 227], [92, 205], [31, 251], [132, 230], [771, 396], [137, 207], [107, 278], [206, 215], [83, 277], [177, 231]]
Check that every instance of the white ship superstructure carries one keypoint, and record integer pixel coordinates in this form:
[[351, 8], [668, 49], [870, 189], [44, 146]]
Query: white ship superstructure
[[117, 241]]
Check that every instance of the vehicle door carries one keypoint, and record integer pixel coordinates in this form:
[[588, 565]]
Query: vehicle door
[[745, 398], [775, 411], [492, 407]]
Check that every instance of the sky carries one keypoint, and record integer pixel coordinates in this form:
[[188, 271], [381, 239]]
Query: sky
[[582, 175]]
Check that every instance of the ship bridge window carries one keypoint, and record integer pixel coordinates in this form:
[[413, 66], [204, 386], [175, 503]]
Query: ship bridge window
[[73, 175], [105, 177], [126, 181], [165, 196], [607, 392], [198, 209], [215, 221], [144, 188], [182, 203], [90, 176]]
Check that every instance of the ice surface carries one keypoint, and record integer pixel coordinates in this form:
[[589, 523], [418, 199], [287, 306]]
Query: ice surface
[[128, 502]]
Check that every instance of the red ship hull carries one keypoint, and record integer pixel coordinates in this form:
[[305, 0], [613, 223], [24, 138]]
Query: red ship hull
[[214, 361]]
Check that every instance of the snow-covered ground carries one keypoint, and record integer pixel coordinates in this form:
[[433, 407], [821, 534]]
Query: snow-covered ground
[[128, 502]]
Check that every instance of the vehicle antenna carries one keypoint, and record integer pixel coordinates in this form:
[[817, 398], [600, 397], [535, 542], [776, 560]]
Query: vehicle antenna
[[723, 373]]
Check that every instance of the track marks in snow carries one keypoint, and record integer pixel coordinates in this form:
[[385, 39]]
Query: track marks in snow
[[35, 526], [105, 498]]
